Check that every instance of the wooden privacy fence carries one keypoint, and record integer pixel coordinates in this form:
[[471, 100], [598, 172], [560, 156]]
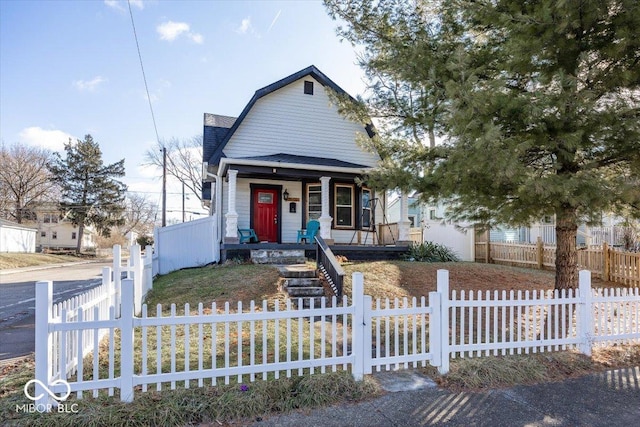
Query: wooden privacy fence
[[604, 262], [167, 348], [388, 234]]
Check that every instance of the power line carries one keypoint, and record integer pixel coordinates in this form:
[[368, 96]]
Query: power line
[[144, 77], [153, 117]]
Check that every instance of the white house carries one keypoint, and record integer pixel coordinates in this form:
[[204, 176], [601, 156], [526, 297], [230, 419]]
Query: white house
[[16, 237], [288, 158], [56, 232]]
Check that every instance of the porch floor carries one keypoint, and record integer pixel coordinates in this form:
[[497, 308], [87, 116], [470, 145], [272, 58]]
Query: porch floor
[[351, 252]]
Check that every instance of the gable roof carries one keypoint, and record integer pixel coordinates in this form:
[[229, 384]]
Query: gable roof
[[215, 128], [217, 154]]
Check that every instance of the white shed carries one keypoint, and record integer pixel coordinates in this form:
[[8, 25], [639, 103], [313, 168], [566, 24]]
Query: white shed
[[16, 237]]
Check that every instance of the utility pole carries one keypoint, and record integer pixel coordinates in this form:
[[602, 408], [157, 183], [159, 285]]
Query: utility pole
[[164, 186], [183, 202]]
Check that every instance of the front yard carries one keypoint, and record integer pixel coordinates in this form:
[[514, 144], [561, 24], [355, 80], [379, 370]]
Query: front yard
[[246, 282]]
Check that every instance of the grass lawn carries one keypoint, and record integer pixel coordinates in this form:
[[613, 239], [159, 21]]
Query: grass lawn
[[229, 403], [18, 260]]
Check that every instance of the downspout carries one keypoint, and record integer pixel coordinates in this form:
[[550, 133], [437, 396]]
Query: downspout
[[218, 203]]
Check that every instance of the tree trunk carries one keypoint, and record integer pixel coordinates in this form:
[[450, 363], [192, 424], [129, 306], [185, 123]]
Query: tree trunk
[[566, 254], [80, 235], [432, 137]]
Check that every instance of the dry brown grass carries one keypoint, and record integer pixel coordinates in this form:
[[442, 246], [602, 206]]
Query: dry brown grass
[[397, 279], [18, 260]]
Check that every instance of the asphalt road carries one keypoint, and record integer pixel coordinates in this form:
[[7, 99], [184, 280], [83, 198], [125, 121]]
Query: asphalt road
[[17, 301]]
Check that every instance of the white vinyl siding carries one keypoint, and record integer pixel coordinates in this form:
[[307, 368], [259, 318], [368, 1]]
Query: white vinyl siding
[[291, 222], [288, 121]]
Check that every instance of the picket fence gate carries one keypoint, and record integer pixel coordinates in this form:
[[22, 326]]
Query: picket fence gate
[[208, 345]]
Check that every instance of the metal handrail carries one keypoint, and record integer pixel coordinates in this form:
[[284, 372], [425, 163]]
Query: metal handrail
[[329, 265]]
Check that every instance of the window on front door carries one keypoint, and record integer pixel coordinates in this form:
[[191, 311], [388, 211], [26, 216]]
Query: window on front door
[[343, 213]]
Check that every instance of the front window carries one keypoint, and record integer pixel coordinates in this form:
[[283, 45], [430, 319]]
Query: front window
[[314, 201], [73, 235], [344, 206], [54, 234]]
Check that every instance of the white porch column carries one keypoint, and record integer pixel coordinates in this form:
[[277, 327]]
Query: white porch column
[[325, 219], [231, 235], [403, 224]]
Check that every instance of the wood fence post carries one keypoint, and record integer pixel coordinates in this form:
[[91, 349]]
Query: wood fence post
[[117, 276], [585, 317], [108, 284], [135, 261], [540, 253], [443, 290], [148, 268], [43, 341], [357, 340], [126, 345], [606, 262], [487, 247]]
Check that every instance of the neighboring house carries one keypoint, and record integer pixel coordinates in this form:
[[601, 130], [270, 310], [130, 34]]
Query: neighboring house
[[288, 158], [16, 237], [55, 232], [414, 209], [457, 236], [460, 236]]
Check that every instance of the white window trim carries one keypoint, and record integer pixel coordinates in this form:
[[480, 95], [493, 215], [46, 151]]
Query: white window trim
[[335, 206], [312, 184]]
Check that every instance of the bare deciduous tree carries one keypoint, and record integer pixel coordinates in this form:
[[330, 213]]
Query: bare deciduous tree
[[140, 214], [25, 180], [184, 161]]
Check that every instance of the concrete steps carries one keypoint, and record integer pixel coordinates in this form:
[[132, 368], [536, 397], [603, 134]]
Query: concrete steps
[[301, 283], [278, 256]]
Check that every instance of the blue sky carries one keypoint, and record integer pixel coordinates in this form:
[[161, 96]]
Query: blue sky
[[68, 68]]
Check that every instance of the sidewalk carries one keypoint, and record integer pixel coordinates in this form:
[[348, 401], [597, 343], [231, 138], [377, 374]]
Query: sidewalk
[[8, 271], [610, 398]]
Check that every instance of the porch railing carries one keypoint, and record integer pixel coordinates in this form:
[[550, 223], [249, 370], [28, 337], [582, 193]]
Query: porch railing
[[329, 265]]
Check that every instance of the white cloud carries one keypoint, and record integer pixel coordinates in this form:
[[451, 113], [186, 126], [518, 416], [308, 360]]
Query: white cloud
[[172, 30], [245, 26], [89, 85], [52, 139], [121, 4]]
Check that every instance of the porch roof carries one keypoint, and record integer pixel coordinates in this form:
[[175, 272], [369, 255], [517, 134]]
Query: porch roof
[[292, 166]]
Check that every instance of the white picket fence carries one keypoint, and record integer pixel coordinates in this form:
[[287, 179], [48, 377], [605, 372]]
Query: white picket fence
[[59, 353], [208, 345]]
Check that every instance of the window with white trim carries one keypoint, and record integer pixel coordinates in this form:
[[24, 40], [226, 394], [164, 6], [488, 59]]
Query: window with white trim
[[314, 201], [343, 206]]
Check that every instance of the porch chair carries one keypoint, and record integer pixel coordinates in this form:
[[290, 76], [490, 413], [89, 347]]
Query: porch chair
[[247, 235], [307, 235]]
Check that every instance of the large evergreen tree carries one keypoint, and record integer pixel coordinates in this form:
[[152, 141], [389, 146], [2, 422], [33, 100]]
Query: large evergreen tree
[[91, 194], [543, 108]]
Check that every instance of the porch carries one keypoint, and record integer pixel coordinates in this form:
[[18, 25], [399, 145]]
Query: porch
[[351, 252]]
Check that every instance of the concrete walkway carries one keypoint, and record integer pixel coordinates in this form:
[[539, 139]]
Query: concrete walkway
[[608, 399]]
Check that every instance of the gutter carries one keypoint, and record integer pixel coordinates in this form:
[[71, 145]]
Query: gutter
[[225, 162]]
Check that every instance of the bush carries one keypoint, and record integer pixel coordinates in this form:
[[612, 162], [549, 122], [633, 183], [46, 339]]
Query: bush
[[431, 252]]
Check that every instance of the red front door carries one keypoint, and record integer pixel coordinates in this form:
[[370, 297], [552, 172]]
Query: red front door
[[265, 214]]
